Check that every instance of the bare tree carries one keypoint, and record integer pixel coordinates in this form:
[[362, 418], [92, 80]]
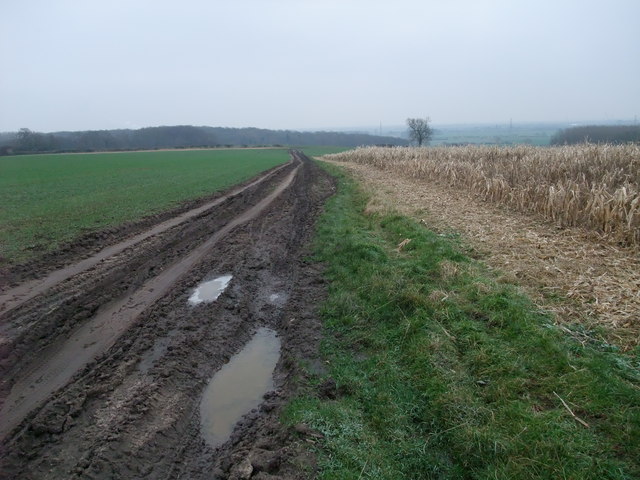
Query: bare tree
[[420, 130]]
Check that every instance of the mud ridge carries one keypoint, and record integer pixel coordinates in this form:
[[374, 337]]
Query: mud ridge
[[11, 297], [131, 411]]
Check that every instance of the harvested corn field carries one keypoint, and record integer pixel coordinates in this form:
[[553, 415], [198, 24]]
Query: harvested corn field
[[591, 286], [592, 186]]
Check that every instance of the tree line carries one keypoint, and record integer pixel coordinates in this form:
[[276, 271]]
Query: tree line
[[180, 136], [615, 134]]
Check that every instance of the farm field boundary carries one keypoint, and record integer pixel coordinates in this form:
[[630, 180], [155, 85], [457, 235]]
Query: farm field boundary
[[433, 368], [592, 186], [52, 200], [591, 285], [12, 297]]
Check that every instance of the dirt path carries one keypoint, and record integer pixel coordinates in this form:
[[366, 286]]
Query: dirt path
[[16, 296], [103, 370]]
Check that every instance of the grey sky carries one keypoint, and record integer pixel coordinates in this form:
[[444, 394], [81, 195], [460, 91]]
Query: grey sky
[[82, 64]]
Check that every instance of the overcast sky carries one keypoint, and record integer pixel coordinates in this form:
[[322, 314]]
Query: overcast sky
[[296, 64]]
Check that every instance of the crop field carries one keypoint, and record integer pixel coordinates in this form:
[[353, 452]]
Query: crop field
[[48, 200], [592, 186]]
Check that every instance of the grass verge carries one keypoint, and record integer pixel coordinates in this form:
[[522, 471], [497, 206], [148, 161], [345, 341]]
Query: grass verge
[[441, 372], [48, 200]]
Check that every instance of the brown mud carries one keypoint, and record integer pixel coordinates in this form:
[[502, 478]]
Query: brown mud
[[102, 372]]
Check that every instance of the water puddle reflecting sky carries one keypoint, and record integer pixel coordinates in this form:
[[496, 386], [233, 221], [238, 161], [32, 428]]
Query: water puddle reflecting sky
[[210, 291], [238, 387]]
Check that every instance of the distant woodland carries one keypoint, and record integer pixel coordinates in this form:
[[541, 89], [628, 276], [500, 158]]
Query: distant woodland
[[597, 134], [183, 136]]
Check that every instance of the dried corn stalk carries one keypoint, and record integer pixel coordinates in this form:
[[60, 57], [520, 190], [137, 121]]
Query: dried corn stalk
[[592, 186]]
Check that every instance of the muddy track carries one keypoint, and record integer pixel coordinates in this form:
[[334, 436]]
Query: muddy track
[[103, 369]]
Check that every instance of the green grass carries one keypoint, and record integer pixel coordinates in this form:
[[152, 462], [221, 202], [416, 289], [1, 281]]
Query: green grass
[[51, 199], [443, 373]]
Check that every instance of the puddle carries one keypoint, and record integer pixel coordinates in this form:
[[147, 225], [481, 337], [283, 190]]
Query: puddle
[[238, 387], [209, 291]]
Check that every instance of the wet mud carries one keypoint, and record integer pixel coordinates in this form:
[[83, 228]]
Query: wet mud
[[103, 373], [13, 296]]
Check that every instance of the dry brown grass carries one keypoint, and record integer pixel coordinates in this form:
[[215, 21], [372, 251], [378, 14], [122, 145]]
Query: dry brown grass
[[569, 271], [591, 186]]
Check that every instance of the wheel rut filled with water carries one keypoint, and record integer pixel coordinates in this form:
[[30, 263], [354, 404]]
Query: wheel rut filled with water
[[172, 355]]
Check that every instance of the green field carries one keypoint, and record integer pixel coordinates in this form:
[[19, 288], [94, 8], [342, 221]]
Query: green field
[[442, 372], [530, 134], [48, 200]]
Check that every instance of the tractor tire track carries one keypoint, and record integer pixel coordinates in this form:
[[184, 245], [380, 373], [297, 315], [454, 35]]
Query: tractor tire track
[[136, 361]]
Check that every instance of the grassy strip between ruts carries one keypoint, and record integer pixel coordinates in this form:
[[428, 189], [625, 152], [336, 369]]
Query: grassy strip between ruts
[[443, 373], [52, 199]]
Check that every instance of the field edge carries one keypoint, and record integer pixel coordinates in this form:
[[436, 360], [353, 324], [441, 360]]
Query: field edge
[[506, 393]]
